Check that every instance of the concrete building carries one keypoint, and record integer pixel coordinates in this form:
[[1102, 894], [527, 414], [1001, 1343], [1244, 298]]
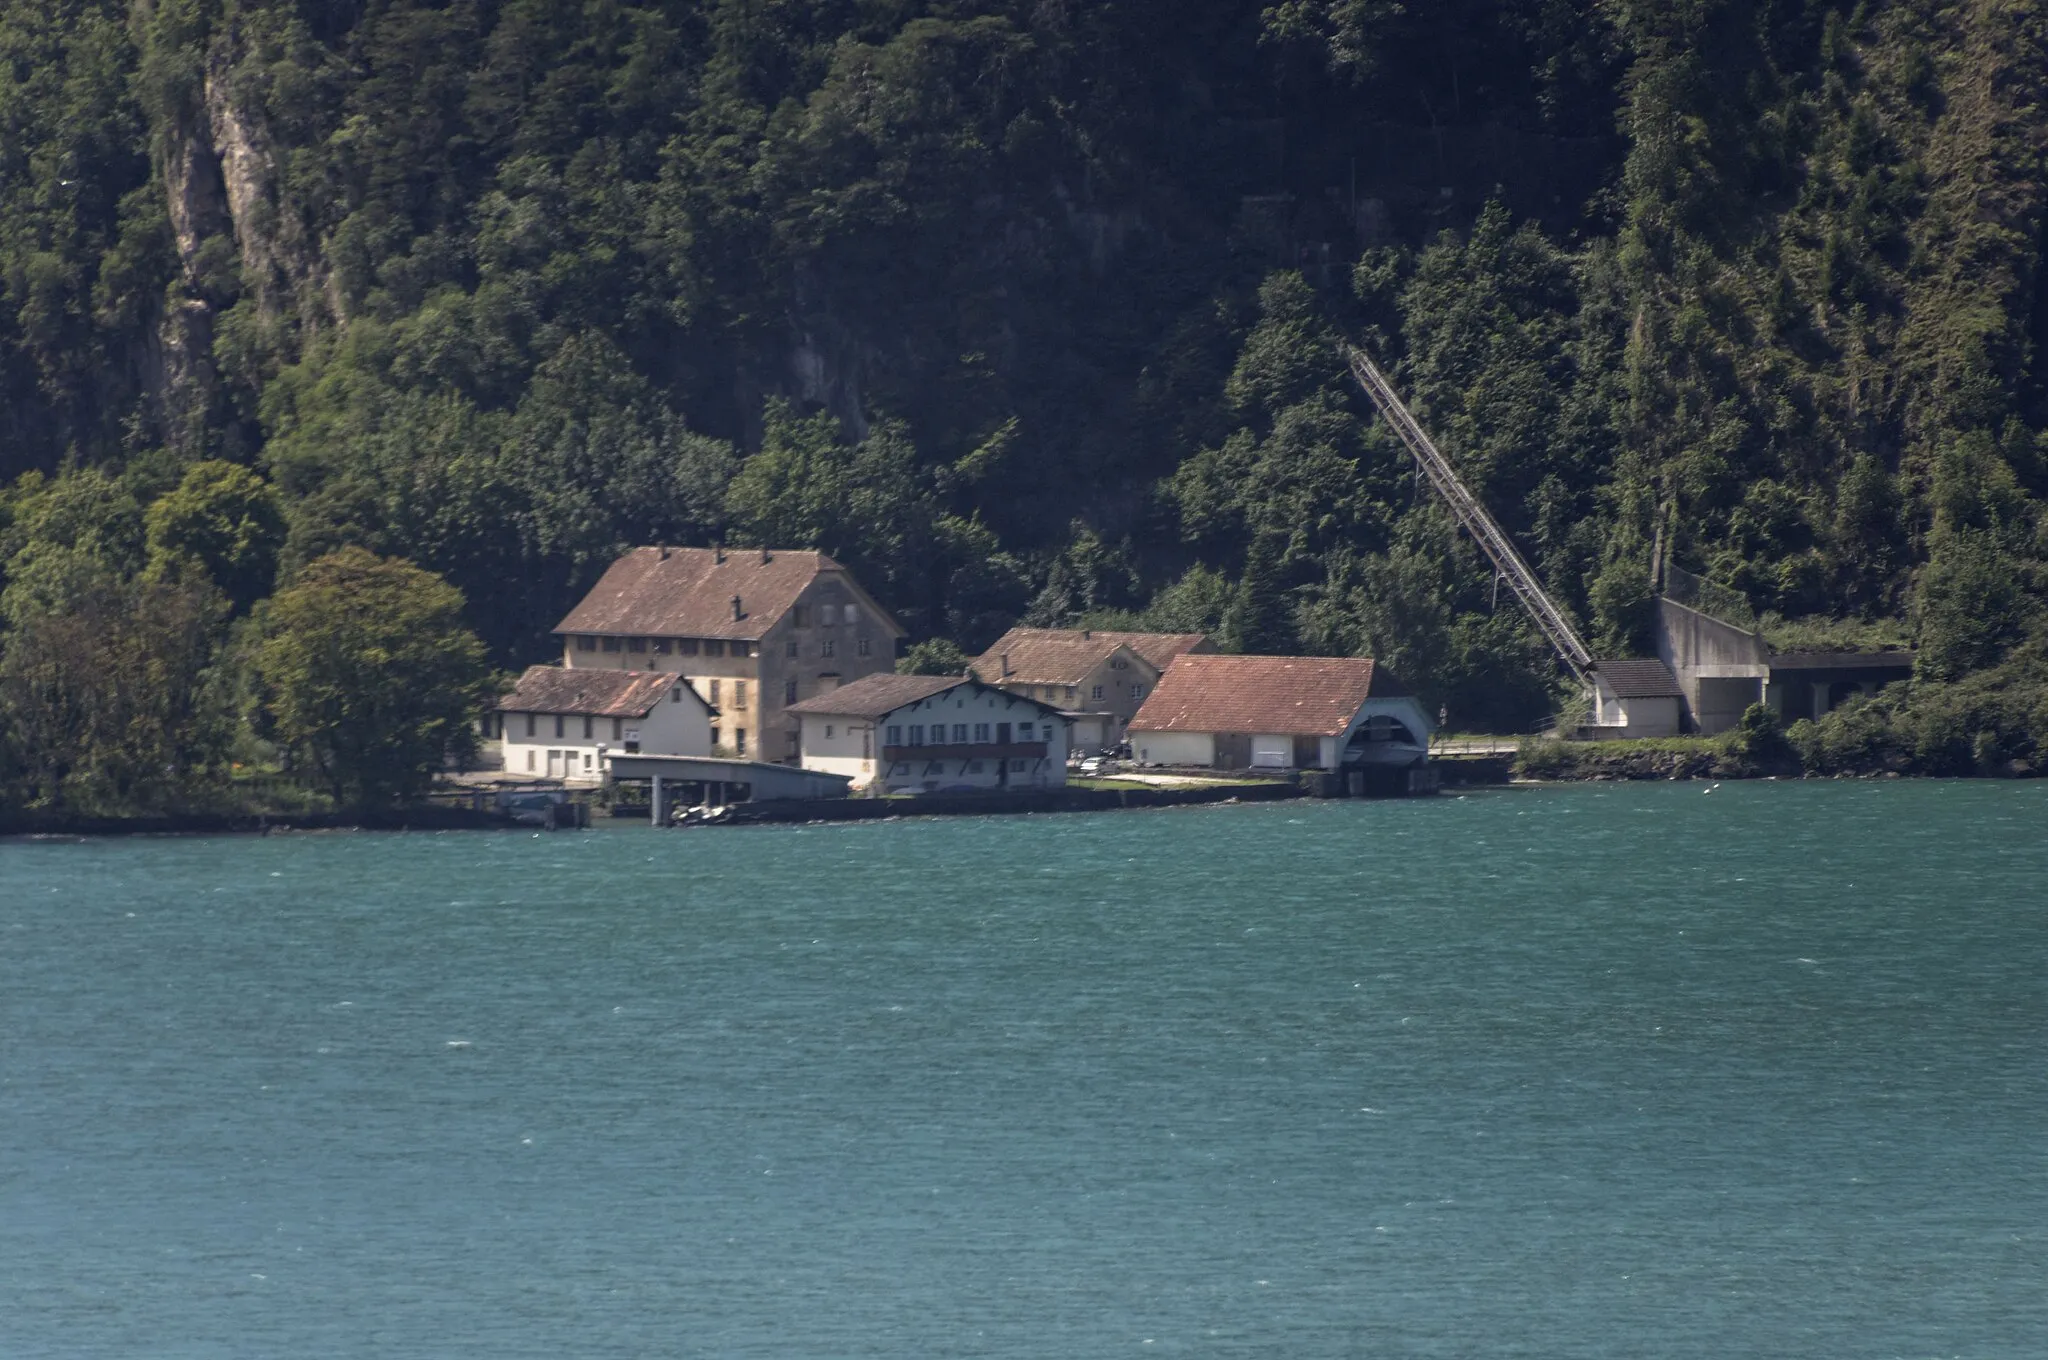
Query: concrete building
[[931, 734], [1634, 699], [1722, 669], [1279, 713], [557, 723], [753, 630], [1099, 679]]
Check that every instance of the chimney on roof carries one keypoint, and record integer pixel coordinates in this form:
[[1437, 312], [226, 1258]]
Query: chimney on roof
[[1006, 665], [1087, 635], [737, 613], [765, 559], [664, 552], [718, 553]]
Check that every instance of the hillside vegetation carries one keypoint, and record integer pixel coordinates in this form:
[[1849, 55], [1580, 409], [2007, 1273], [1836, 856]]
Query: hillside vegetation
[[1026, 309]]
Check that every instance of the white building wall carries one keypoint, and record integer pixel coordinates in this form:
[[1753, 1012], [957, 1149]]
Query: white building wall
[[1174, 748], [677, 726], [967, 717]]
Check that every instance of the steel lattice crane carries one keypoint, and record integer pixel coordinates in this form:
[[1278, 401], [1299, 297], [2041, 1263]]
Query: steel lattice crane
[[1472, 517]]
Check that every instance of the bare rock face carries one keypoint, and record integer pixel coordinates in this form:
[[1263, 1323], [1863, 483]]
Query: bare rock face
[[279, 260]]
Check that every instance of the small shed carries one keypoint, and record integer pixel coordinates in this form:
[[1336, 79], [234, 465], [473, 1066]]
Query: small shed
[[1634, 699], [1280, 713]]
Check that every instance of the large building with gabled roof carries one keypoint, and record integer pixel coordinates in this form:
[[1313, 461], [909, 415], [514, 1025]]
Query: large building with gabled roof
[[1280, 713], [753, 630], [1098, 677]]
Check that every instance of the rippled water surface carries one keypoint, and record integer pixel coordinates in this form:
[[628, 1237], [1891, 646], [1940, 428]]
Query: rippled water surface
[[1603, 1071]]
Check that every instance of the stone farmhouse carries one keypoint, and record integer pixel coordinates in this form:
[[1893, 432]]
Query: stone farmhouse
[[1098, 678], [1280, 713], [931, 734], [752, 630], [555, 720]]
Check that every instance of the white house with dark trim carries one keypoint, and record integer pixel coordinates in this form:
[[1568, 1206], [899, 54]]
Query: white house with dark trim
[[555, 721], [932, 734]]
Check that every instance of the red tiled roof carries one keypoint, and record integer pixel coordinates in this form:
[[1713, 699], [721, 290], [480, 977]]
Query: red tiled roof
[[1065, 656], [688, 592], [596, 693], [1308, 696]]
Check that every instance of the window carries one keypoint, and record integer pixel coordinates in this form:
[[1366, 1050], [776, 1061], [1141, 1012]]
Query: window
[[973, 767], [586, 760], [636, 644], [530, 718], [1137, 691], [1098, 692], [713, 647], [739, 694], [959, 733], [864, 647], [895, 737], [611, 644], [1119, 664], [850, 613], [828, 648], [661, 646], [675, 696], [828, 614], [714, 739], [589, 727], [1016, 767], [790, 648], [739, 740], [917, 734], [789, 691], [981, 731], [586, 644], [529, 760], [686, 646], [559, 721], [800, 616], [828, 731], [618, 729], [742, 648], [1070, 694], [714, 691]]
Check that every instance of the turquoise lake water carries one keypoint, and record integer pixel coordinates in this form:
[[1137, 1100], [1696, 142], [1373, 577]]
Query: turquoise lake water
[[1597, 1071]]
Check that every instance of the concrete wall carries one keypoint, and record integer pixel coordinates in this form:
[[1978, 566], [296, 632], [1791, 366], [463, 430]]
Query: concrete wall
[[1700, 649]]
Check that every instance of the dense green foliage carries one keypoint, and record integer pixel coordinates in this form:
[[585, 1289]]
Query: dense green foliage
[[1029, 310], [365, 671]]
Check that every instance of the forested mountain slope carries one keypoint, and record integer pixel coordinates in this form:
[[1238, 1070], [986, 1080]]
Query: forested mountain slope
[[1029, 308]]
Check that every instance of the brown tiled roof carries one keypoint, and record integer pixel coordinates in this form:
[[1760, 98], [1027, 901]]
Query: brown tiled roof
[[1639, 679], [1065, 656], [1308, 696], [871, 696], [688, 592], [599, 694]]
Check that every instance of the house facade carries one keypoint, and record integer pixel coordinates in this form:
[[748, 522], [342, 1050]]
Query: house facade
[[1279, 713], [1634, 699], [557, 723], [1098, 679], [931, 734], [753, 630]]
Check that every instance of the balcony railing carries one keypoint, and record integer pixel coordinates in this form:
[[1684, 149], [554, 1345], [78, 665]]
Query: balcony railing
[[981, 750]]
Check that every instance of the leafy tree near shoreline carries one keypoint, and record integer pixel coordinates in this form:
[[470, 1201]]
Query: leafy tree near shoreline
[[366, 670]]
